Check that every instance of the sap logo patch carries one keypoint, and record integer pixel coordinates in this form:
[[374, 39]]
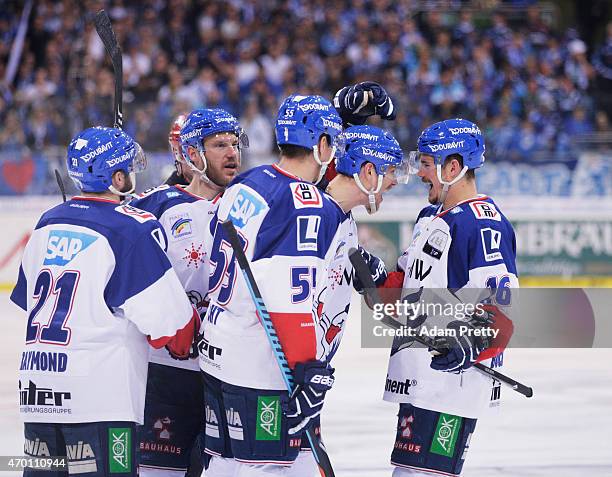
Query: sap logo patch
[[436, 243], [172, 194], [305, 195], [245, 206], [64, 245], [491, 240], [181, 226], [485, 210], [307, 232]]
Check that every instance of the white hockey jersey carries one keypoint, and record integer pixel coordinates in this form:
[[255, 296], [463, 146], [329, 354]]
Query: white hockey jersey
[[184, 217], [290, 235], [469, 246], [95, 281]]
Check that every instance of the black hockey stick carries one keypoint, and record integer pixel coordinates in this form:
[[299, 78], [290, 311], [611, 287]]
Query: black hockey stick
[[107, 35], [60, 184], [318, 449], [363, 272]]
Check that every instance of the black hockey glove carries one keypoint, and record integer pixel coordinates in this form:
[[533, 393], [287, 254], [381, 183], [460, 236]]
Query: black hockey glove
[[463, 348], [377, 269], [312, 380], [356, 103]]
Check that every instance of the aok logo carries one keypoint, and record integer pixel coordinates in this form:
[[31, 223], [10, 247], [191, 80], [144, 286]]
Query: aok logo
[[64, 245]]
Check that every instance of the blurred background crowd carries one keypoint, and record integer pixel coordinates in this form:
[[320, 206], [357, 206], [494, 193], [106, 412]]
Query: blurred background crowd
[[535, 76]]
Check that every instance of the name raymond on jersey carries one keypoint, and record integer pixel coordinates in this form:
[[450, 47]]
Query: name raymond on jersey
[[43, 361]]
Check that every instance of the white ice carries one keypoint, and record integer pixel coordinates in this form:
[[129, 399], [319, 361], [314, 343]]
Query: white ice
[[565, 430]]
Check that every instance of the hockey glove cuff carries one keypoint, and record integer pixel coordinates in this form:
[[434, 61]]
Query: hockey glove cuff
[[312, 381], [377, 270], [356, 103], [463, 348]]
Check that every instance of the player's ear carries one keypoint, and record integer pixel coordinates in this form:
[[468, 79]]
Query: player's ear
[[119, 179]]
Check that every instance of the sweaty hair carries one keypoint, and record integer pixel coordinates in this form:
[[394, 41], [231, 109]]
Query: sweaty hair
[[296, 152], [470, 174], [292, 151]]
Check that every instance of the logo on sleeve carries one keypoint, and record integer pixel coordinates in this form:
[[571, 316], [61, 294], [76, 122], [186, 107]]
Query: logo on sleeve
[[491, 240], [485, 210], [305, 195], [436, 243], [64, 245], [245, 206], [181, 226], [307, 232]]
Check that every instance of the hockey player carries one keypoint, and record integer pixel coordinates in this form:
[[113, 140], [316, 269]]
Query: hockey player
[[211, 140], [288, 227], [96, 284], [182, 173], [461, 242]]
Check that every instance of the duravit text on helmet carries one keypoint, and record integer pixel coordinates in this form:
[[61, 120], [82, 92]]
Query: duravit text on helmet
[[449, 145], [97, 151]]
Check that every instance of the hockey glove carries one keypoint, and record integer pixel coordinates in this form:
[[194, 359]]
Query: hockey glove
[[312, 380], [377, 270], [356, 103], [461, 350]]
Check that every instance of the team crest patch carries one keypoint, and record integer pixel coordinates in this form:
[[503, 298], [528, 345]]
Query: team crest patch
[[305, 195], [181, 226], [485, 210]]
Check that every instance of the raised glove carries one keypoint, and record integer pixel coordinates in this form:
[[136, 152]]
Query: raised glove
[[462, 349], [356, 103], [312, 380], [377, 270]]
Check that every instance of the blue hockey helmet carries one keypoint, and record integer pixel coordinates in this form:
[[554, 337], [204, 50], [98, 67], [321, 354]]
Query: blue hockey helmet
[[361, 144], [453, 136], [200, 124], [302, 120], [444, 138], [95, 154]]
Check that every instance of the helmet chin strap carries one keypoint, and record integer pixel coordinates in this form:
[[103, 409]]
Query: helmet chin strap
[[446, 185], [315, 152], [202, 172], [371, 207]]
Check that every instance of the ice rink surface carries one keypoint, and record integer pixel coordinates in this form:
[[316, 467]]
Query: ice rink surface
[[565, 430]]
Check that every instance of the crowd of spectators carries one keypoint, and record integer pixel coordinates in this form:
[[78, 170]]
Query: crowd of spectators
[[530, 86]]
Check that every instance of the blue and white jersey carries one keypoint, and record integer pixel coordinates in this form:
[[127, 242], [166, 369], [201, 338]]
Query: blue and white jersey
[[184, 217], [290, 234], [95, 281], [470, 246]]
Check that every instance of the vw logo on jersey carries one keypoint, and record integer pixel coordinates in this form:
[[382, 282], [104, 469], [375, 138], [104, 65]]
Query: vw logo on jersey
[[64, 245]]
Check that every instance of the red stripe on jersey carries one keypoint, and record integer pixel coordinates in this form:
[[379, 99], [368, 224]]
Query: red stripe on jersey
[[296, 332]]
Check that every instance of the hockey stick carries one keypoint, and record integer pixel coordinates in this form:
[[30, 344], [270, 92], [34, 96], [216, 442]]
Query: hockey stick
[[363, 272], [107, 35], [318, 449], [60, 184]]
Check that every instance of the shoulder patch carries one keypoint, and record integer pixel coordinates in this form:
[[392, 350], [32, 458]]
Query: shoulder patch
[[245, 206], [307, 232], [305, 195], [181, 225], [436, 243], [485, 210], [137, 214]]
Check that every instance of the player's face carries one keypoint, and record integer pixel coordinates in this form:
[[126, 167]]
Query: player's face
[[427, 173], [388, 183], [223, 158]]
